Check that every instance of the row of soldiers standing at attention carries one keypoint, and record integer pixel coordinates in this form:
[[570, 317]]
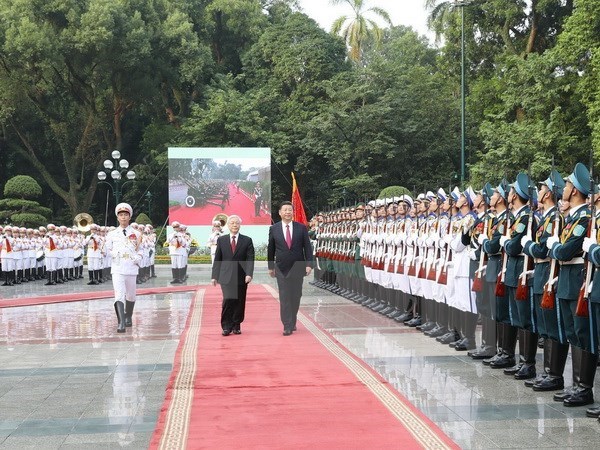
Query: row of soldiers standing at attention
[[55, 254], [520, 256]]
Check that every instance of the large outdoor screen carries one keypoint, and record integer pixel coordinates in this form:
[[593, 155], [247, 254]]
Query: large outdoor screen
[[208, 184]]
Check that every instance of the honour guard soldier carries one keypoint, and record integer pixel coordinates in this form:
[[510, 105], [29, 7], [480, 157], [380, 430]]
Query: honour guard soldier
[[517, 287], [590, 245], [568, 250], [544, 278], [6, 253], [94, 255], [481, 228], [123, 244]]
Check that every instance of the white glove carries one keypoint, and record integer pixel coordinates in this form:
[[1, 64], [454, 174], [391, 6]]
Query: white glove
[[472, 255], [136, 259], [551, 241], [525, 240], [429, 242], [587, 243], [441, 243], [503, 240], [481, 239], [447, 238]]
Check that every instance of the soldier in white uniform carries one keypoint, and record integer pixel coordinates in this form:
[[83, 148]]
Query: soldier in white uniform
[[6, 253], [94, 255], [124, 246], [176, 241]]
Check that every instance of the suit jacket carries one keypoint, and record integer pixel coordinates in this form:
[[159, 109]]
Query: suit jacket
[[232, 268], [290, 262]]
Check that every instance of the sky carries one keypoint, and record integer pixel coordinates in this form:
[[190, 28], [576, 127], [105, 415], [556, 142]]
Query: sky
[[402, 12]]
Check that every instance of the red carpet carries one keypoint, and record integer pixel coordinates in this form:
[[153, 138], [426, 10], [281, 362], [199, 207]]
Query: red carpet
[[265, 390], [239, 203], [91, 295]]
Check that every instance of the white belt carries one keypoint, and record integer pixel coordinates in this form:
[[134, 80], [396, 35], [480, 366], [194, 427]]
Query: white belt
[[579, 260], [540, 260]]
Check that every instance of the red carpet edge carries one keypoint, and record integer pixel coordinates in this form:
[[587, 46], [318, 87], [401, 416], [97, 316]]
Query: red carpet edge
[[91, 295], [172, 427], [421, 427]]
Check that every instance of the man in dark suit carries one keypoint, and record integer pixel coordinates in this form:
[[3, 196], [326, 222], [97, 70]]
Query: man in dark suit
[[290, 259], [233, 269]]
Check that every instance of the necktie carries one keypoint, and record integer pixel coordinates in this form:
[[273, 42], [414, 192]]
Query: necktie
[[232, 244], [288, 236], [124, 232]]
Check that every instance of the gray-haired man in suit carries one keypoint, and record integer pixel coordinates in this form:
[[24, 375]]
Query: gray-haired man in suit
[[233, 269]]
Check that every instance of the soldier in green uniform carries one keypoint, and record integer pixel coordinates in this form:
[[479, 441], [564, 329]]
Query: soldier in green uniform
[[568, 250], [535, 246], [590, 245], [506, 337]]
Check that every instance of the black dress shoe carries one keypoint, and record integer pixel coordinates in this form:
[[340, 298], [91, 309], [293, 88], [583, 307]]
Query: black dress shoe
[[550, 383], [529, 383], [427, 326], [488, 361], [580, 397], [513, 370], [404, 317], [503, 361], [464, 345], [437, 332], [483, 352], [594, 411], [526, 372], [540, 342], [287, 332], [450, 337], [457, 342], [226, 332], [414, 322], [561, 396], [237, 331]]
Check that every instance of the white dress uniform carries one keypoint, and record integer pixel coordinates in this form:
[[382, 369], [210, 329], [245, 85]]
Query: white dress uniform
[[123, 245]]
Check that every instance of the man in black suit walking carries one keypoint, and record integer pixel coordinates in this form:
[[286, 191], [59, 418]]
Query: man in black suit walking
[[290, 259], [233, 269]]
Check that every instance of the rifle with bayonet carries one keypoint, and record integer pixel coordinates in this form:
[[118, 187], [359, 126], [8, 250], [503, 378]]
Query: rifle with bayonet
[[522, 288], [549, 295], [582, 309]]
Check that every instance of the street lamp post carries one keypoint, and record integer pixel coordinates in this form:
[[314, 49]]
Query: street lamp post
[[113, 174], [462, 4]]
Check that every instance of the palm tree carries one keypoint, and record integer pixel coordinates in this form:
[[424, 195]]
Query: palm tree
[[359, 29], [440, 14]]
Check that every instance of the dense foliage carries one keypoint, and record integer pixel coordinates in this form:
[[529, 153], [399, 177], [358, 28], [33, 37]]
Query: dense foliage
[[80, 78]]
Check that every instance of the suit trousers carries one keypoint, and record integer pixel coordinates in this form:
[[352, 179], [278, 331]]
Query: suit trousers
[[234, 305], [290, 292]]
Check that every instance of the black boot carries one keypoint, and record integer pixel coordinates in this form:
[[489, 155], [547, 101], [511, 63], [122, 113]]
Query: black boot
[[152, 270], [583, 394], [558, 357], [120, 310], [576, 365], [128, 312], [527, 371], [509, 342], [546, 371], [175, 279], [50, 281], [5, 276], [92, 280]]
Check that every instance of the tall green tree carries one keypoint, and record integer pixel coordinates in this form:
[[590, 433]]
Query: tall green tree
[[71, 73]]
